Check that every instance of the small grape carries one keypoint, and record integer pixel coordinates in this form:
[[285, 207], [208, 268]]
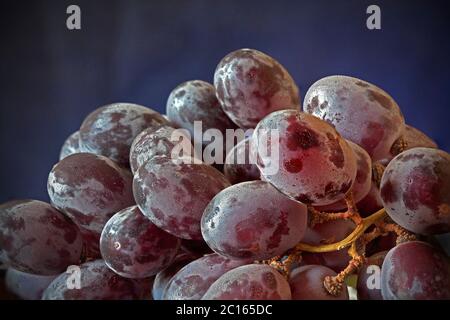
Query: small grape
[[240, 165], [314, 166], [360, 111], [27, 286], [89, 189], [371, 202], [415, 271], [133, 247], [306, 283], [253, 220], [368, 278], [37, 238], [250, 282], [70, 146], [415, 190], [173, 195], [250, 85], [110, 130]]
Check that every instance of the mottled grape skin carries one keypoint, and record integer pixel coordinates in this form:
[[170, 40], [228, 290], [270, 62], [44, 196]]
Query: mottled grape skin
[[315, 166], [97, 282], [151, 142], [240, 165], [89, 189], [306, 283], [27, 286], [196, 101], [37, 238], [415, 190], [326, 233], [253, 220], [194, 279], [360, 111], [70, 146], [173, 195], [250, 85], [371, 203], [250, 282], [415, 271], [368, 276], [133, 247], [110, 130]]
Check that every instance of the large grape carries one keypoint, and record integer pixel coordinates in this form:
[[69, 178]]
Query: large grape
[[193, 280], [368, 278], [89, 189], [70, 146], [37, 238], [314, 164], [27, 286], [151, 142], [415, 190], [250, 85], [250, 282], [196, 101], [240, 164], [415, 271], [360, 111], [307, 284], [133, 247], [110, 130], [174, 194], [97, 282], [253, 220]]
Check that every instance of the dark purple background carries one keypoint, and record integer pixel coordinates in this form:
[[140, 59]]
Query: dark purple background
[[137, 51]]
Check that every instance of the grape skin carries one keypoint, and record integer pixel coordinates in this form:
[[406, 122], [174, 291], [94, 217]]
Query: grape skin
[[27, 286], [250, 85], [110, 130], [194, 279], [89, 189], [415, 190], [250, 282], [173, 195], [70, 146], [415, 271], [360, 111], [306, 283], [133, 247], [97, 282], [253, 220], [37, 238], [196, 100], [315, 166], [235, 170]]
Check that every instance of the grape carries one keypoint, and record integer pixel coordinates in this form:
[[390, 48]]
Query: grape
[[360, 111], [415, 138], [368, 278], [250, 85], [37, 238], [91, 242], [240, 165], [89, 189], [27, 286], [250, 282], [371, 202], [363, 181], [97, 282], [306, 283], [196, 101], [133, 247], [326, 233], [110, 130], [415, 271], [163, 277], [253, 220], [70, 146], [415, 190], [151, 142], [173, 195], [195, 246], [315, 166]]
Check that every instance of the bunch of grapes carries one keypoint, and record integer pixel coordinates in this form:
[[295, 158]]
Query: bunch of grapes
[[337, 189]]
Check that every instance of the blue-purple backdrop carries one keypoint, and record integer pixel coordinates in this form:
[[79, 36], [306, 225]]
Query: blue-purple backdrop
[[138, 51]]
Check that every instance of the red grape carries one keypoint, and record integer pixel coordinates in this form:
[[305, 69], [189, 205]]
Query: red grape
[[371, 202], [27, 286], [240, 163], [70, 146], [368, 278]]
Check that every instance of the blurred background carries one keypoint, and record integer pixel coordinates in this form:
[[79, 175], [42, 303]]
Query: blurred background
[[138, 51]]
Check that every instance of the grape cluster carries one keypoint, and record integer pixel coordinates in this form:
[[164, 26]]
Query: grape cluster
[[339, 187]]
